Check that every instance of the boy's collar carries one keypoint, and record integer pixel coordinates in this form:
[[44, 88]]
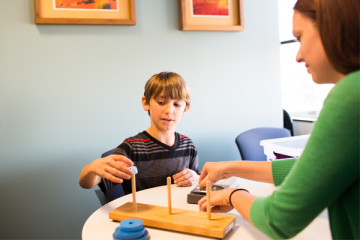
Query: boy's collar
[[170, 148]]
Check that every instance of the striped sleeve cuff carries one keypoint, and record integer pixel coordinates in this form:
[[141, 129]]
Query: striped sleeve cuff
[[281, 168]]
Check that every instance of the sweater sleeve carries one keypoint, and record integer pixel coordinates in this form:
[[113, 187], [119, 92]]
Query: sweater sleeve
[[281, 168], [328, 165]]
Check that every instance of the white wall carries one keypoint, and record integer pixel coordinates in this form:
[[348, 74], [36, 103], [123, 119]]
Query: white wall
[[70, 93]]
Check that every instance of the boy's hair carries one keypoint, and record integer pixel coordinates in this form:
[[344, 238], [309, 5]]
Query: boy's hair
[[172, 84]]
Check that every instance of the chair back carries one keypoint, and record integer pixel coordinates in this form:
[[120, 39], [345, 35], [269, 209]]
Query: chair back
[[288, 122], [105, 154], [249, 142]]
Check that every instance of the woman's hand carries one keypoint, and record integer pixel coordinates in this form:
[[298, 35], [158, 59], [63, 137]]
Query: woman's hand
[[219, 201], [186, 178], [213, 172]]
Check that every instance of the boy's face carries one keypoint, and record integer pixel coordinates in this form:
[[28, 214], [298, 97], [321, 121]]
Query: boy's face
[[165, 113]]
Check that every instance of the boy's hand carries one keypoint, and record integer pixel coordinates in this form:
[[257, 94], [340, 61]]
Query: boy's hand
[[186, 178], [112, 167]]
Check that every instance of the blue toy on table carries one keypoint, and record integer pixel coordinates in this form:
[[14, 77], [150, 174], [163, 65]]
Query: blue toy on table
[[131, 229]]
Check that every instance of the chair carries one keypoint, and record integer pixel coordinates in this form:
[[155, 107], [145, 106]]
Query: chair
[[101, 196], [249, 142], [288, 122], [105, 154], [114, 193]]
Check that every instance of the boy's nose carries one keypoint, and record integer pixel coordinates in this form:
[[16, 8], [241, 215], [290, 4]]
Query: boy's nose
[[169, 108]]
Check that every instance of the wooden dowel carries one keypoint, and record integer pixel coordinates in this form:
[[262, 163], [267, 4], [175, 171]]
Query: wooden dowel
[[133, 185], [208, 200], [169, 194]]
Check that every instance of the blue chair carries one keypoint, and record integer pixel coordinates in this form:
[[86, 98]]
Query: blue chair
[[105, 154], [114, 193], [249, 142]]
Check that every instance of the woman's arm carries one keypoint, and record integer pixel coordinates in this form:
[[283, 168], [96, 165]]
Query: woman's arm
[[325, 176], [242, 201], [220, 201], [256, 171]]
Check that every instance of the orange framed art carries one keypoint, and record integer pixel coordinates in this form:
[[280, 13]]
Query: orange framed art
[[107, 12], [211, 15]]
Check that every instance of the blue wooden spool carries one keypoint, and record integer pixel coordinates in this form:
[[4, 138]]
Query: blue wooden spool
[[131, 229], [133, 169]]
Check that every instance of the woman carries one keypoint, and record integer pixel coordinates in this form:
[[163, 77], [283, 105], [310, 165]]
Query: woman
[[327, 173]]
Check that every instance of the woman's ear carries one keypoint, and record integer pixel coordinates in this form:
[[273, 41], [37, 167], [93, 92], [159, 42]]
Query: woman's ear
[[186, 109], [145, 104]]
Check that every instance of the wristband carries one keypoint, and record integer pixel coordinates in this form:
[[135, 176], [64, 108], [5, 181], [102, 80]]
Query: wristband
[[236, 191]]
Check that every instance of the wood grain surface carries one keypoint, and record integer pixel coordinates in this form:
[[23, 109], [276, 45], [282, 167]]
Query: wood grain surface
[[193, 222]]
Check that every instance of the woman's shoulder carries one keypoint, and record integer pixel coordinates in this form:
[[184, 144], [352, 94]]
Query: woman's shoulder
[[347, 89], [342, 103], [350, 81]]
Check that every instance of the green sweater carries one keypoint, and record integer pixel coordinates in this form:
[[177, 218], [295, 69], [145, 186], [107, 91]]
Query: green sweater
[[325, 176]]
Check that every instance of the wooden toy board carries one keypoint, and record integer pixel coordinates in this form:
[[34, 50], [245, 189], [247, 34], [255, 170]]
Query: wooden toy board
[[180, 220]]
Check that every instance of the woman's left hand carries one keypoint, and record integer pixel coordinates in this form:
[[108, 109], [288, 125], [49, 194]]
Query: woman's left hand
[[219, 201]]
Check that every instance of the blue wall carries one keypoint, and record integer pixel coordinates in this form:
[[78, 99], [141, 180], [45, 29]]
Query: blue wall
[[69, 93]]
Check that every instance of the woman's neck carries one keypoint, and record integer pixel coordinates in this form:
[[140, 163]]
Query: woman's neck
[[337, 77]]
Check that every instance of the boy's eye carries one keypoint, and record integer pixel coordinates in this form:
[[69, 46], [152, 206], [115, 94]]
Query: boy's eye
[[177, 104], [161, 103]]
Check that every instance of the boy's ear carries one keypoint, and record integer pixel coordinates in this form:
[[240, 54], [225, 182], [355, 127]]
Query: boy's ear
[[144, 103], [186, 109]]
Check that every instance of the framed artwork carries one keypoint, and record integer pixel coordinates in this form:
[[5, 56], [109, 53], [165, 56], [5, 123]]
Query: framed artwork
[[117, 12], [211, 15]]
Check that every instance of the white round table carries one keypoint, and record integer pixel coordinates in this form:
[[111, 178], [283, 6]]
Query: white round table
[[99, 226]]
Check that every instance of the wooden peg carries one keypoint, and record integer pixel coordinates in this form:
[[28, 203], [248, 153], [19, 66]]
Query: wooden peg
[[133, 185], [169, 194], [208, 200]]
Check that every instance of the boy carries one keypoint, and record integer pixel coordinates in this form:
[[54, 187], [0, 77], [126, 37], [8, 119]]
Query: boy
[[159, 151]]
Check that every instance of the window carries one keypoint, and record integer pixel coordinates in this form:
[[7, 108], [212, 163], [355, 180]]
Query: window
[[301, 97]]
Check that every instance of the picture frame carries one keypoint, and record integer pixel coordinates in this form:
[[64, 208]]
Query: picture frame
[[105, 12], [204, 15]]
